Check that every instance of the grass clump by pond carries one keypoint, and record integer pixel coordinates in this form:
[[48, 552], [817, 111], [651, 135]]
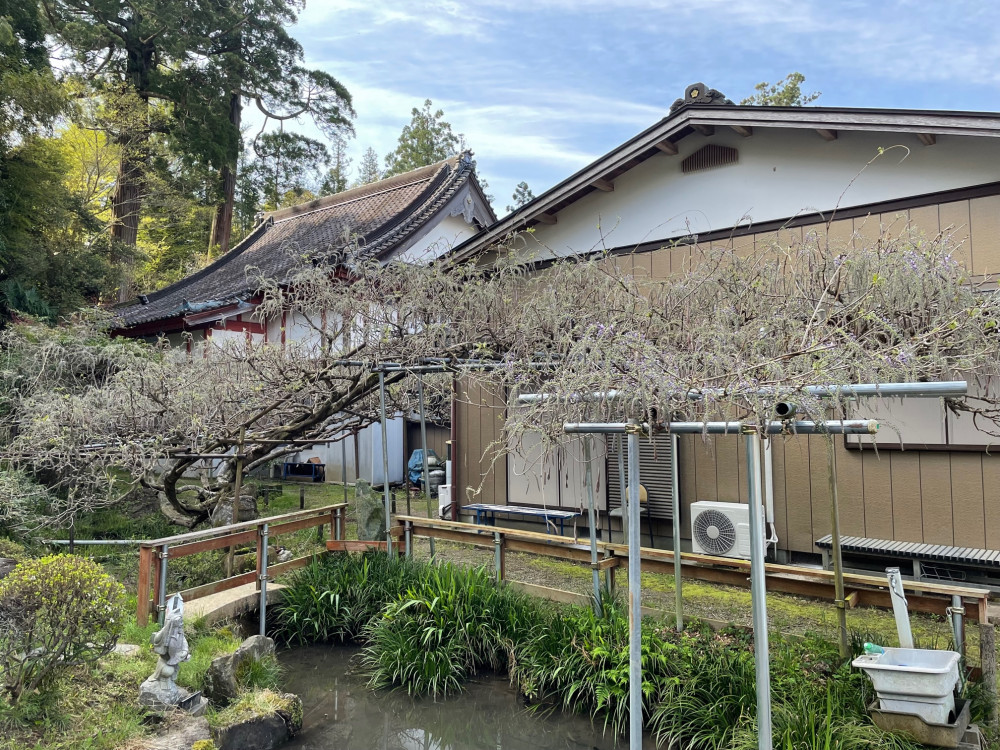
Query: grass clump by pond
[[427, 629]]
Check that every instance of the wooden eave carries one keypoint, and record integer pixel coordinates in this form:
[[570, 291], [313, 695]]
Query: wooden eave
[[926, 124]]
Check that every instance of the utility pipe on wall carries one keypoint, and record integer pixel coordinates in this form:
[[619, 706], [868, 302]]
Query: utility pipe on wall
[[592, 523]]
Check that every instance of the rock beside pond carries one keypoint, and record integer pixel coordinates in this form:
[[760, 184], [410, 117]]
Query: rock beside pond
[[222, 515], [220, 684], [259, 722], [180, 732]]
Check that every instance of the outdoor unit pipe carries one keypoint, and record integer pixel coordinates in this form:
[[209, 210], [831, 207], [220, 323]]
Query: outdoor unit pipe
[[951, 388]]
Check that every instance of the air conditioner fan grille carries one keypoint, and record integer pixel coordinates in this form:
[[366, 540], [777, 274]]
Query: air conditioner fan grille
[[714, 531]]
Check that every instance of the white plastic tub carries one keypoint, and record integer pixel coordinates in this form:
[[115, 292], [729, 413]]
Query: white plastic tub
[[915, 681]]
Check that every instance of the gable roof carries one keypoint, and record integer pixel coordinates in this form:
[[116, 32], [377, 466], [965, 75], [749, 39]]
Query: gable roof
[[702, 117], [375, 219]]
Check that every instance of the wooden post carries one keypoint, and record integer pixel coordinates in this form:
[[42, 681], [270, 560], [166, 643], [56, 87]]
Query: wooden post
[[988, 662], [158, 562], [144, 586], [302, 498], [336, 530]]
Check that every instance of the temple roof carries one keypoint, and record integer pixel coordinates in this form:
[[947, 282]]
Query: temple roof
[[373, 220]]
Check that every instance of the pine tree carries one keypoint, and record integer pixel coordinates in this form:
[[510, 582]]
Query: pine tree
[[426, 140], [336, 180], [785, 93], [368, 169], [522, 194]]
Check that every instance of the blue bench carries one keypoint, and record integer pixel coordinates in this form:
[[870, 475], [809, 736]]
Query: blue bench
[[487, 514], [304, 470]]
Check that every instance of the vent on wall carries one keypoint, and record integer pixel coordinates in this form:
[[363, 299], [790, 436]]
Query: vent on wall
[[709, 157]]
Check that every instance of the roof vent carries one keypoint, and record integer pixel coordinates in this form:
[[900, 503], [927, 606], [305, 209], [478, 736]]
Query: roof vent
[[709, 157], [143, 299], [699, 93]]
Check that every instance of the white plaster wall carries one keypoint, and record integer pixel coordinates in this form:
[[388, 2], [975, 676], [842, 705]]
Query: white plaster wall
[[446, 234], [781, 173]]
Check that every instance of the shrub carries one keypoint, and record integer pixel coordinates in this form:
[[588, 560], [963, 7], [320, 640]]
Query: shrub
[[55, 612], [12, 550]]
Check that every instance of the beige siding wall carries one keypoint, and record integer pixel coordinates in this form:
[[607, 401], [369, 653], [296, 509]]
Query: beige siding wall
[[480, 470], [943, 497]]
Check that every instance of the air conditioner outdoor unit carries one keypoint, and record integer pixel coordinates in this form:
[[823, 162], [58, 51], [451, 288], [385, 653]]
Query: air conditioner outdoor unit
[[720, 529]]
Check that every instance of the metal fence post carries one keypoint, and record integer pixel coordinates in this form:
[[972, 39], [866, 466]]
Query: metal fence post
[[161, 594], [262, 577], [498, 555]]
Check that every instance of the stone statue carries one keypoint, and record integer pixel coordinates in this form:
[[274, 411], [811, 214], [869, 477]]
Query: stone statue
[[160, 690], [170, 644]]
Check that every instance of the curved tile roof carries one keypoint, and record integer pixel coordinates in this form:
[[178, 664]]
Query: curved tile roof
[[376, 217]]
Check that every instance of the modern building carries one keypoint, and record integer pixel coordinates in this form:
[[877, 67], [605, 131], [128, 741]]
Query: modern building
[[711, 172]]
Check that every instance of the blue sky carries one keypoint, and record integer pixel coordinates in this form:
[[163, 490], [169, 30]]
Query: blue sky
[[541, 88]]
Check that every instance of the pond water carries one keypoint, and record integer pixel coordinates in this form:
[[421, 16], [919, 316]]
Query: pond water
[[340, 712]]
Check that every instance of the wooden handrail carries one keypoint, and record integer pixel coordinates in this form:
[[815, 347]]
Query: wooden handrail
[[153, 560], [233, 527], [932, 598]]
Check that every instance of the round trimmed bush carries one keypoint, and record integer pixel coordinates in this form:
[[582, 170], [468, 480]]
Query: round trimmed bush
[[55, 612]]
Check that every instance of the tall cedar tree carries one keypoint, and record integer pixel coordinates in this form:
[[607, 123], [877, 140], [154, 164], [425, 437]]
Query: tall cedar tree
[[427, 139], [522, 194], [368, 169], [202, 61]]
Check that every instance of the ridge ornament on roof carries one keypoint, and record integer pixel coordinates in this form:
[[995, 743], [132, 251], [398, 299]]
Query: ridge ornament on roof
[[699, 93]]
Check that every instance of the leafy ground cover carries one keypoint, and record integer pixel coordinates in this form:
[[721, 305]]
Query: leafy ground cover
[[445, 623]]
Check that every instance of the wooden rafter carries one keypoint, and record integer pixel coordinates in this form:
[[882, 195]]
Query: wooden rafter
[[827, 135], [606, 185]]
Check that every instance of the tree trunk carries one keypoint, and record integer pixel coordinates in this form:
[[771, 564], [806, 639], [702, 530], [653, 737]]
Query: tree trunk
[[126, 205], [132, 117], [222, 226]]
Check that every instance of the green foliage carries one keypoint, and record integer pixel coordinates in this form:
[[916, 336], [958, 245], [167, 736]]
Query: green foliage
[[204, 745], [256, 704], [258, 674], [785, 93], [57, 612], [450, 624], [368, 169], [522, 194], [426, 140], [12, 550], [334, 599]]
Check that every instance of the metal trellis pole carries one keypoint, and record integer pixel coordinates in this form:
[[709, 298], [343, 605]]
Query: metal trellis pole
[[758, 592], [634, 593], [423, 446], [676, 523], [387, 494], [838, 563], [593, 526]]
